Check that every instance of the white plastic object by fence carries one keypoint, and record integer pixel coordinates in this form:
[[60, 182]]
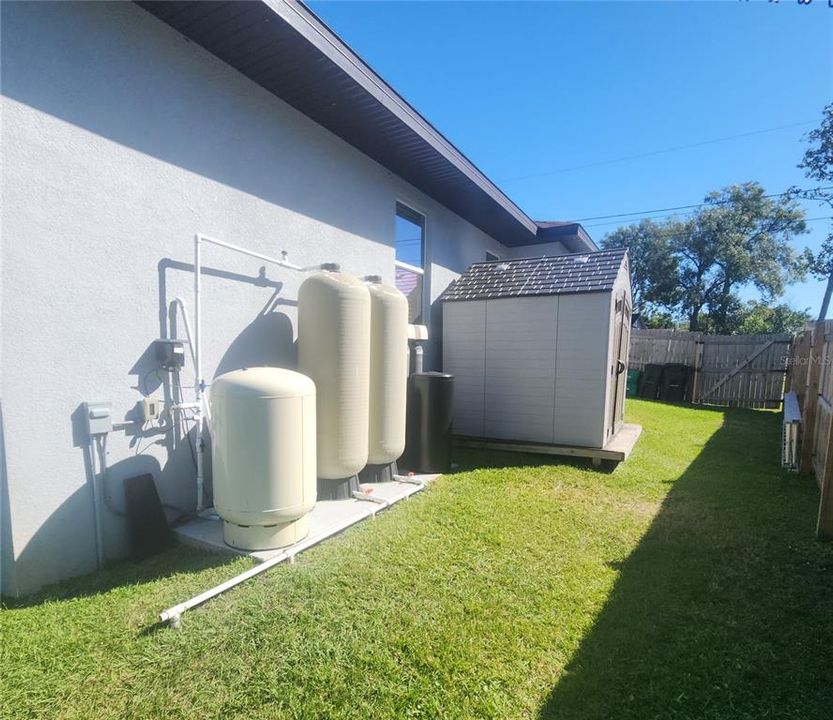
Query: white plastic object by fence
[[789, 437]]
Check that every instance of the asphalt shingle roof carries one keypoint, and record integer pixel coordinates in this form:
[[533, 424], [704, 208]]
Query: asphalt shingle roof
[[556, 275]]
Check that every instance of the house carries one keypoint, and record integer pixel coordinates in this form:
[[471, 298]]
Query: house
[[539, 347], [126, 129]]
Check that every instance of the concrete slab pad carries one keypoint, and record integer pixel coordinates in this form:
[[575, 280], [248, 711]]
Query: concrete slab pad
[[328, 517]]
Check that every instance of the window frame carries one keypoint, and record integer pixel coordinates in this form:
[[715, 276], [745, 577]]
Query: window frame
[[407, 211]]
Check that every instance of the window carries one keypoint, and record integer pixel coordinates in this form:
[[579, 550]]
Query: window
[[410, 258], [491, 257]]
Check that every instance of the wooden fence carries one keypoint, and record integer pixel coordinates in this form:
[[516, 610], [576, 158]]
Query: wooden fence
[[732, 370], [810, 377]]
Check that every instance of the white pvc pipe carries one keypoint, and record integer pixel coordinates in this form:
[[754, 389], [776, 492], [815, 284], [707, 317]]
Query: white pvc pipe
[[236, 248], [99, 540], [185, 406], [178, 302], [174, 613], [198, 391]]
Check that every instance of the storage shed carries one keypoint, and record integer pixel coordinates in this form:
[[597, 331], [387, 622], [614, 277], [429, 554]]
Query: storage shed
[[539, 348]]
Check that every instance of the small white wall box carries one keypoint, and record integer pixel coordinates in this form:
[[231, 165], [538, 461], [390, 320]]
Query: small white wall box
[[170, 354], [151, 407], [98, 417]]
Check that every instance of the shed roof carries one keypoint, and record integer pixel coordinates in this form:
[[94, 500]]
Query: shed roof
[[284, 47], [556, 275]]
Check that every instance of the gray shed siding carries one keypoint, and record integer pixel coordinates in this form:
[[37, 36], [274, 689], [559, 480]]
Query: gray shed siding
[[581, 369], [120, 141], [519, 357], [541, 364]]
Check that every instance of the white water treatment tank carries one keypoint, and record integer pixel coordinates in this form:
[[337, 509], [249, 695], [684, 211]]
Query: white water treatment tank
[[334, 350], [388, 372], [263, 451]]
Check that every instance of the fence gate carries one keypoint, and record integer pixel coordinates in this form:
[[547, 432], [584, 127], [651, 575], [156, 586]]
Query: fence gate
[[742, 370]]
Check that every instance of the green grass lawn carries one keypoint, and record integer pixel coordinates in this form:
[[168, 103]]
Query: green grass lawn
[[686, 584]]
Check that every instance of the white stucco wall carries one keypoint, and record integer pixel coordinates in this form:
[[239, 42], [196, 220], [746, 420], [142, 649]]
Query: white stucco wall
[[120, 140], [539, 250]]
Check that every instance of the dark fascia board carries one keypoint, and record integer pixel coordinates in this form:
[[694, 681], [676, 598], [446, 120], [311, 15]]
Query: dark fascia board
[[441, 170], [585, 241], [572, 234]]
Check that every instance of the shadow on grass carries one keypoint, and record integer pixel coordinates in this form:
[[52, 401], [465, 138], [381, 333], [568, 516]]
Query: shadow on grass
[[724, 609], [123, 573]]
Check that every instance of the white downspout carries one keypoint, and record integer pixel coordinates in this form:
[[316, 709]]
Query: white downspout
[[198, 389], [99, 540]]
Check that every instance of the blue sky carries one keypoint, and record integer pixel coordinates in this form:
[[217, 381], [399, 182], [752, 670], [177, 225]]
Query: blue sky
[[534, 93]]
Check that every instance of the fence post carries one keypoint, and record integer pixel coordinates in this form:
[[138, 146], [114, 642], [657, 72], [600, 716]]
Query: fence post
[[698, 367], [811, 398], [792, 355]]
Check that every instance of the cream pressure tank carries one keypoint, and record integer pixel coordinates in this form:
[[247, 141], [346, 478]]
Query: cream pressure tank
[[334, 350], [263, 448], [388, 372]]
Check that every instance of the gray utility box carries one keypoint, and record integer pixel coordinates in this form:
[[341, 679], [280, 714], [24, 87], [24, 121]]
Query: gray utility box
[[98, 417]]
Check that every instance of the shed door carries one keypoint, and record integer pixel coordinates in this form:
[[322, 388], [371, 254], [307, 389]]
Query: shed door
[[619, 368]]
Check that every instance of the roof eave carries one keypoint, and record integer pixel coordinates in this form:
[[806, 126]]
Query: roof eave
[[381, 125], [573, 235], [312, 27]]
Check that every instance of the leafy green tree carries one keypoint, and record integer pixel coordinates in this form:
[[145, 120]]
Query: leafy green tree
[[693, 268], [739, 236], [653, 266], [658, 320], [758, 318], [818, 165]]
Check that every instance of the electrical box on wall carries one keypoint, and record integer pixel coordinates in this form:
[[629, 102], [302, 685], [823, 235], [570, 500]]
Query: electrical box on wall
[[170, 354], [98, 417], [150, 408]]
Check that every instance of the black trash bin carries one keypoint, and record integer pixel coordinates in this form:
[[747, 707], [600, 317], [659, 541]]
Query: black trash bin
[[430, 410], [676, 382], [651, 378]]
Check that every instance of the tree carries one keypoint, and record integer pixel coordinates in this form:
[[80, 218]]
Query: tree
[[818, 165], [758, 318], [693, 268], [739, 236], [653, 267]]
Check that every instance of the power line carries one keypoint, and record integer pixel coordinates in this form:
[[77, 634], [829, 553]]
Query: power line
[[660, 217], [697, 205], [663, 151]]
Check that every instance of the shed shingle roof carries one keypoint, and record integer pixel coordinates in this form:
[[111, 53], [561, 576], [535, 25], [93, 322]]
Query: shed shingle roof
[[556, 275]]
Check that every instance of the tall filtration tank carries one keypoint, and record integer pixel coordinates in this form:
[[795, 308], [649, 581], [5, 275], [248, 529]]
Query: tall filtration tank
[[388, 372], [334, 350], [263, 450]]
